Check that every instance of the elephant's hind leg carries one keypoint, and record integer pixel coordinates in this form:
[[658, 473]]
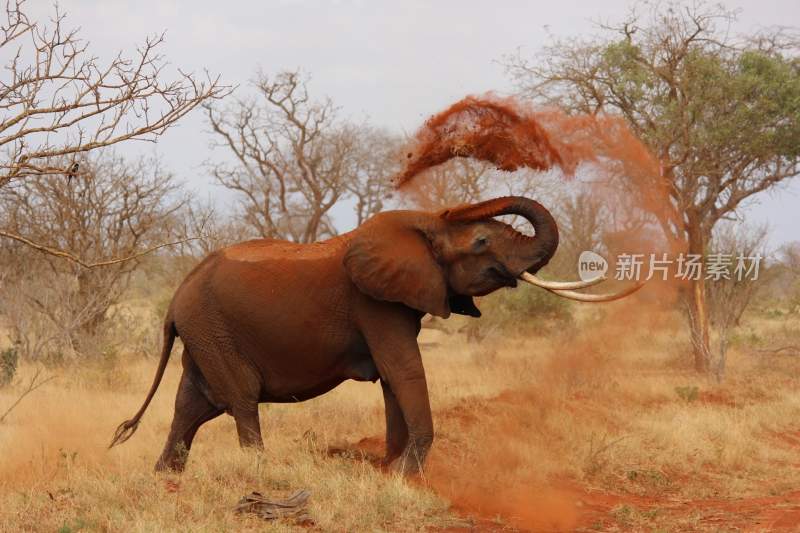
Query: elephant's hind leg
[[192, 410]]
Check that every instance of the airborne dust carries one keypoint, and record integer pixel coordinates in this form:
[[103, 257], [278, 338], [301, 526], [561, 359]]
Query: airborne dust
[[504, 473]]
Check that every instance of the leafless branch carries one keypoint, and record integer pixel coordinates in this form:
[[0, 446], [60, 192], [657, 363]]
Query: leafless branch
[[32, 385], [793, 350], [77, 260], [76, 243], [58, 100], [295, 160]]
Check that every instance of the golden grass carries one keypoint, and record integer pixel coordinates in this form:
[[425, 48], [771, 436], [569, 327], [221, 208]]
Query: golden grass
[[57, 471], [523, 425]]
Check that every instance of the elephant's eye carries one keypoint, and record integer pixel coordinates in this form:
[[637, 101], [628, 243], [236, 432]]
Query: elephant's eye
[[481, 242]]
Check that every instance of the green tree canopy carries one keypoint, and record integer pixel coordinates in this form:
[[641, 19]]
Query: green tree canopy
[[721, 114]]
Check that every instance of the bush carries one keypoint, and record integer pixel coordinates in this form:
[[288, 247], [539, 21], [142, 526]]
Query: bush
[[528, 302], [9, 359], [688, 393], [525, 308]]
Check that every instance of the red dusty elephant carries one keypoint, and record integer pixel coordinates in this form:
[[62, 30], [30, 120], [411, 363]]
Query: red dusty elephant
[[274, 321]]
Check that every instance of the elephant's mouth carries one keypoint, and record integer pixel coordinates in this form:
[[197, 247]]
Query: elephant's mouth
[[501, 275]]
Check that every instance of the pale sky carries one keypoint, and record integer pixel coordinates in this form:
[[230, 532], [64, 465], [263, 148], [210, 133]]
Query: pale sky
[[393, 63]]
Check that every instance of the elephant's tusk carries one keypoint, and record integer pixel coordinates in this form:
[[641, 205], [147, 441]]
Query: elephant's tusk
[[560, 285], [572, 295]]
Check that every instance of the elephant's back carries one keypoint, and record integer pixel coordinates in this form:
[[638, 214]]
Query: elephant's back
[[266, 250], [289, 311], [278, 289], [245, 277]]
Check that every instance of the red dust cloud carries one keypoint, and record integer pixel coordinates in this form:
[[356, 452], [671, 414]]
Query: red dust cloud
[[513, 136], [482, 128]]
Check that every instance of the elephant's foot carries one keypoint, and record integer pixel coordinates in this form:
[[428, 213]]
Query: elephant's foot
[[393, 451], [412, 460], [406, 466], [170, 466], [173, 460]]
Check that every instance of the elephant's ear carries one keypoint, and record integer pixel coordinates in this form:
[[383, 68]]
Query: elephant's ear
[[396, 263]]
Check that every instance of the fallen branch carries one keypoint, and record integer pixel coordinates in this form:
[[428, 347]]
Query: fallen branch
[[795, 349], [294, 507], [77, 260], [32, 386]]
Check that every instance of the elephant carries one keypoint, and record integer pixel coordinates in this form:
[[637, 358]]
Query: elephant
[[276, 321]]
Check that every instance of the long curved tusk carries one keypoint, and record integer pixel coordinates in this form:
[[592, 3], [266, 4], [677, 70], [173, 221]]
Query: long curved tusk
[[572, 295], [560, 285]]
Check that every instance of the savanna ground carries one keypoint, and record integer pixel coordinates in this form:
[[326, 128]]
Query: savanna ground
[[598, 425]]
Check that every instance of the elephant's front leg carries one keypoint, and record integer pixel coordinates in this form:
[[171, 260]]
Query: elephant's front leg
[[396, 429], [412, 396], [392, 338]]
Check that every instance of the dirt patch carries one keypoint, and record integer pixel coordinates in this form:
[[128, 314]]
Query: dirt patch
[[368, 449], [490, 493], [718, 398], [792, 438]]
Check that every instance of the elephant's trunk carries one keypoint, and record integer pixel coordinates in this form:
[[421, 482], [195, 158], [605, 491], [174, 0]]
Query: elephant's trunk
[[530, 253]]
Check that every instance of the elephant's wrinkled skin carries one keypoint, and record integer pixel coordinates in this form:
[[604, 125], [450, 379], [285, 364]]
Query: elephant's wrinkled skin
[[273, 321]]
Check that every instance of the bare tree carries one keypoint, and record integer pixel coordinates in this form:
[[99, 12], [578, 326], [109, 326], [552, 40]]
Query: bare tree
[[59, 101], [212, 229], [455, 182], [582, 219], [730, 295], [376, 160], [113, 207], [790, 258], [294, 160], [463, 180], [784, 286], [722, 117]]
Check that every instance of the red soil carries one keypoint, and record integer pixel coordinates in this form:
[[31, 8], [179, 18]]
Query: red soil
[[490, 496], [792, 438]]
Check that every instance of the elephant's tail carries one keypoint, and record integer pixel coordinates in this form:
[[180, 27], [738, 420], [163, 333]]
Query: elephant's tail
[[128, 428]]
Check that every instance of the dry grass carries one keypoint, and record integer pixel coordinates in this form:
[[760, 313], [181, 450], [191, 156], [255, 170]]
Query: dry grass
[[528, 430], [56, 470]]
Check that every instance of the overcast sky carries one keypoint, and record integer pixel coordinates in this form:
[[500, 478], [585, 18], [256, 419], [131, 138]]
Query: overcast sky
[[393, 63]]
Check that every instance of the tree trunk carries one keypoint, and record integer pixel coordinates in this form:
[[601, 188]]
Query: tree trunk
[[698, 322], [89, 305], [697, 306]]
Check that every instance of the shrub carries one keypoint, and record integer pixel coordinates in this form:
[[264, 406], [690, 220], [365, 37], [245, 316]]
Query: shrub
[[528, 302], [527, 308], [688, 393], [9, 359]]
